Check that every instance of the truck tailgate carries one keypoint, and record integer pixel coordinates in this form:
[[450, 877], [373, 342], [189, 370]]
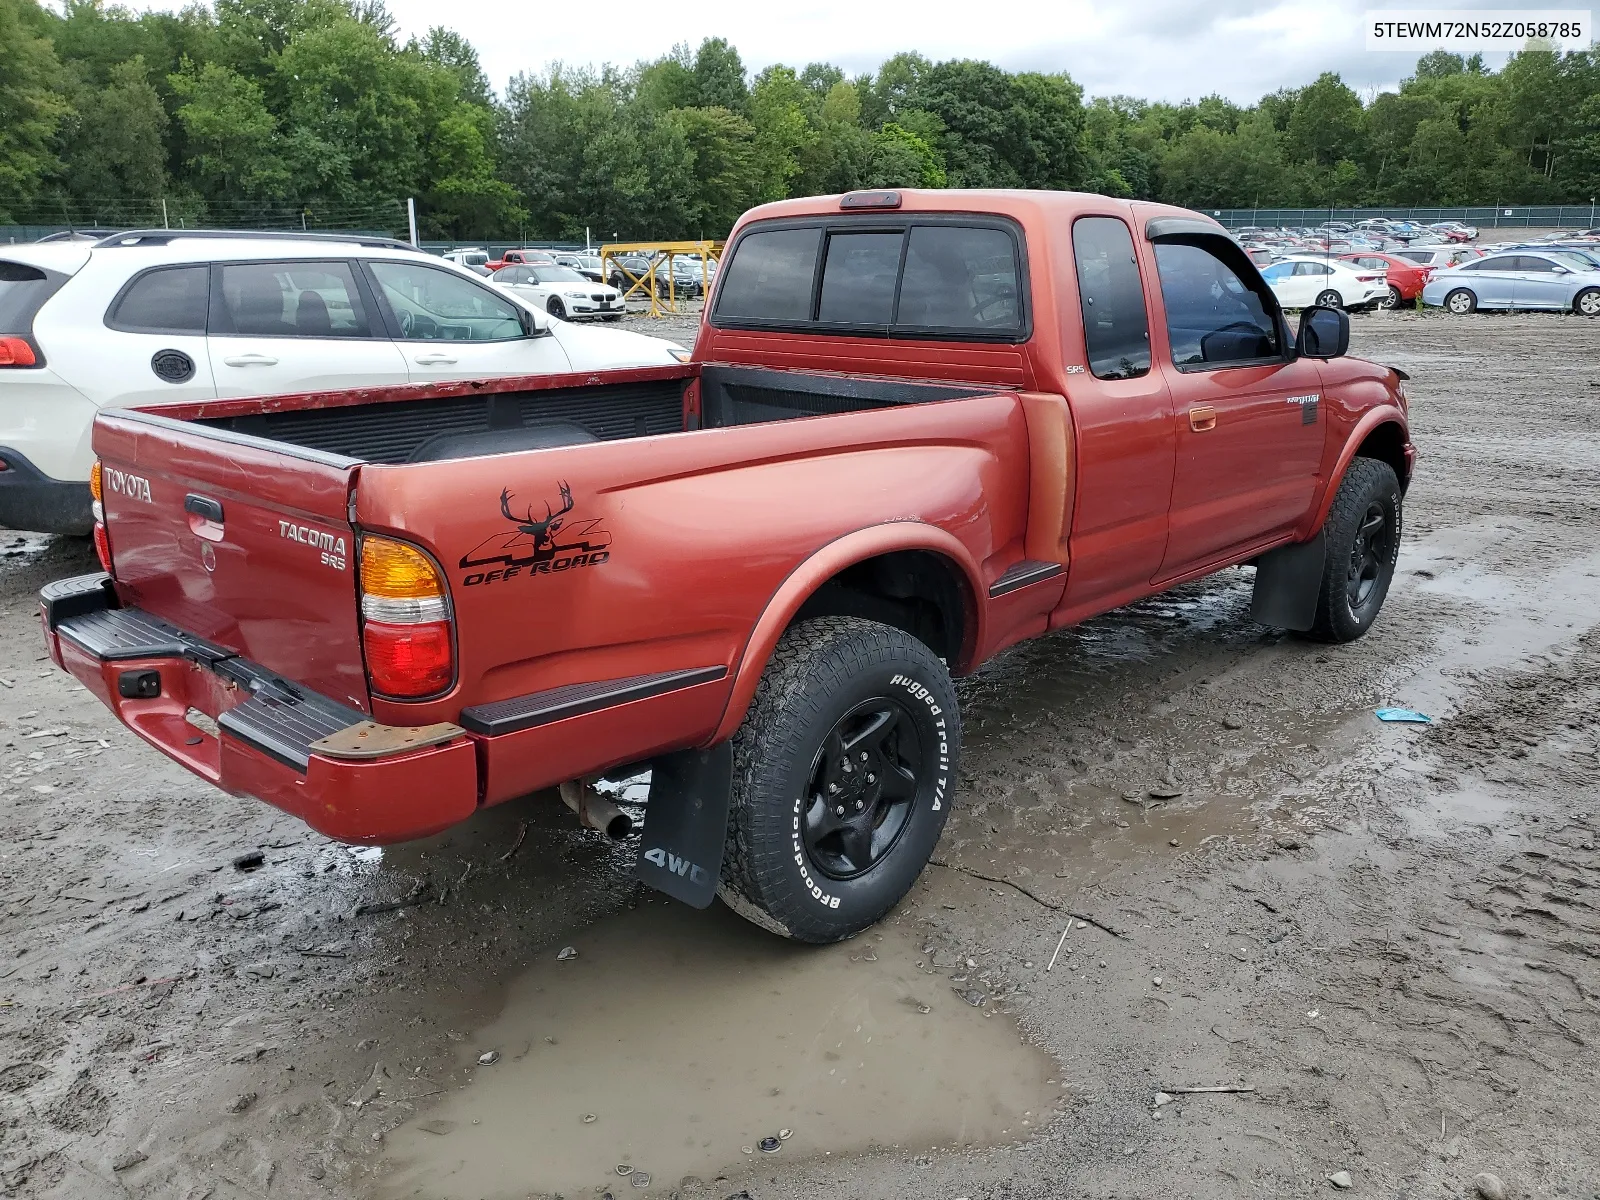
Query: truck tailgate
[[244, 543]]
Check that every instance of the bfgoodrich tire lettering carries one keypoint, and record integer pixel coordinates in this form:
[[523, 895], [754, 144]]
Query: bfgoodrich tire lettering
[[1362, 535], [816, 852]]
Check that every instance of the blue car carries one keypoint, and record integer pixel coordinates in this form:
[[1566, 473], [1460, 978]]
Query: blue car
[[1550, 279]]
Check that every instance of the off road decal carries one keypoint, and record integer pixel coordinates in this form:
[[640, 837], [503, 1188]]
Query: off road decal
[[538, 545]]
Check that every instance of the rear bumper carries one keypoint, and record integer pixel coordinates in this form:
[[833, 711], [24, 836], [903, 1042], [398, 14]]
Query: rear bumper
[[31, 500], [267, 737]]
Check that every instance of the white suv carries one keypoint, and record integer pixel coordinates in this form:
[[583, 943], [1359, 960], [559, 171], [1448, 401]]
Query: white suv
[[166, 315]]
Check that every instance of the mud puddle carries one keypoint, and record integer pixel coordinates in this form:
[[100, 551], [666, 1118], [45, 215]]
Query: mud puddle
[[688, 1037]]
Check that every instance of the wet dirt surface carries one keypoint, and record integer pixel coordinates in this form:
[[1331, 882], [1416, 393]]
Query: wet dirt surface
[[1389, 934]]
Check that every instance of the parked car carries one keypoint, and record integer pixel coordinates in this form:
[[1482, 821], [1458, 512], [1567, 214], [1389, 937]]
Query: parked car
[[473, 258], [167, 316], [1550, 280], [756, 572], [1301, 281], [1259, 255], [1454, 231], [587, 265], [1404, 278], [562, 292], [528, 258], [1439, 257]]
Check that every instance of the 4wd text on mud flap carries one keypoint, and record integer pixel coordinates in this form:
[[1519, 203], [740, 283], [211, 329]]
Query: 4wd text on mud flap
[[678, 866], [533, 545]]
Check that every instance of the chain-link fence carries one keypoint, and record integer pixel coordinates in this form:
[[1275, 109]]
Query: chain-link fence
[[1511, 216], [33, 220]]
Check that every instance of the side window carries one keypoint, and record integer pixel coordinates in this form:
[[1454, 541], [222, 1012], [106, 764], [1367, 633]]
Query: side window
[[770, 276], [858, 277], [1312, 268], [290, 299], [960, 279], [169, 300], [1116, 329], [434, 305], [1543, 266], [1277, 271], [1214, 317]]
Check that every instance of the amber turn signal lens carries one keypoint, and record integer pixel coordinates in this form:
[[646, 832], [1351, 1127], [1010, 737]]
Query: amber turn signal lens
[[395, 571], [95, 484]]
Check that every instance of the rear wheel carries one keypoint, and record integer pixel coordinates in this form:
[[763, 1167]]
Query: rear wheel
[[1461, 302], [556, 309], [1391, 298], [1362, 536], [842, 775], [1587, 303], [1330, 299]]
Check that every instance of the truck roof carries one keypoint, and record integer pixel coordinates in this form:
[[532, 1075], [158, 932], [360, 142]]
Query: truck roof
[[1022, 205]]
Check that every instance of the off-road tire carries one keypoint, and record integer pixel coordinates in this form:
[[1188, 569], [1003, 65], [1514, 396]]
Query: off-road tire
[[1587, 303], [1369, 488], [821, 671], [1461, 302], [1330, 299], [556, 309]]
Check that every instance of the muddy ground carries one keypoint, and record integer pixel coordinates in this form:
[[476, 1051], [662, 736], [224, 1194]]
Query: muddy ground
[[1387, 936]]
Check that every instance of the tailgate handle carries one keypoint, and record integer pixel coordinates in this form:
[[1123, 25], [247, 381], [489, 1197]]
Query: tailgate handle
[[203, 506]]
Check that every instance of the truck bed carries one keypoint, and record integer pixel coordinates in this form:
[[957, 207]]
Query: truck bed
[[499, 417]]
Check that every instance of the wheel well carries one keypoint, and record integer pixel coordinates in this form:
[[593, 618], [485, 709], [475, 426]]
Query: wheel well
[[919, 591], [1387, 444]]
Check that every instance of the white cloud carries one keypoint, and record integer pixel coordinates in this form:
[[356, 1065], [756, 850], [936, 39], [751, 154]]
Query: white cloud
[[1156, 49]]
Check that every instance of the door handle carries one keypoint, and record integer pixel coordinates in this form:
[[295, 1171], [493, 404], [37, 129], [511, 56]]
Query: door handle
[[251, 360], [434, 360], [1202, 417]]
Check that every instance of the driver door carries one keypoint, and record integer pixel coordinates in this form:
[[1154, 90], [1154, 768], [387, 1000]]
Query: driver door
[[1250, 427], [450, 327]]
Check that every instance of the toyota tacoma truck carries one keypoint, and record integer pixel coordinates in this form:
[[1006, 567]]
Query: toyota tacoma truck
[[917, 428]]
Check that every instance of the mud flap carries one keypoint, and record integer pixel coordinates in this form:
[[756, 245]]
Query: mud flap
[[1288, 582], [686, 823]]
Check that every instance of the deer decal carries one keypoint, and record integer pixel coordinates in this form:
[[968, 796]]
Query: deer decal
[[542, 532]]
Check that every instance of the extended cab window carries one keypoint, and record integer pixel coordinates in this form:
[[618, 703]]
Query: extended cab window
[[290, 299], [434, 305], [1116, 329], [1214, 316], [168, 300], [939, 279]]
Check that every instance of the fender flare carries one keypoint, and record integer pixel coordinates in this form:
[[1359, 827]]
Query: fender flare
[[814, 571], [1388, 414]]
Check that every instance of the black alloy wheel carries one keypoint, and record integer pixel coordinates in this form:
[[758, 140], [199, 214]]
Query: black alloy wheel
[[862, 787], [1372, 553]]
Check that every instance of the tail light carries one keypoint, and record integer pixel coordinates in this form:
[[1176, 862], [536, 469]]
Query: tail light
[[17, 352], [1369, 278], [406, 624], [102, 540]]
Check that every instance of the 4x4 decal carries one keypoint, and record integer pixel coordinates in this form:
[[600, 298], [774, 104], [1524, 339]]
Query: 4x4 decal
[[538, 545]]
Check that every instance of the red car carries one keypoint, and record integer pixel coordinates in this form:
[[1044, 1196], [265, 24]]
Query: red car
[[1404, 276], [522, 258], [918, 427]]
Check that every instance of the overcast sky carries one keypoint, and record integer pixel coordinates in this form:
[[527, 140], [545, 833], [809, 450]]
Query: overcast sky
[[1157, 49]]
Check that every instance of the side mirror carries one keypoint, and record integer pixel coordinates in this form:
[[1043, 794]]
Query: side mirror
[[1324, 332]]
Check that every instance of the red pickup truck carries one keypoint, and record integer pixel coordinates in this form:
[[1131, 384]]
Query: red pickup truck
[[917, 428]]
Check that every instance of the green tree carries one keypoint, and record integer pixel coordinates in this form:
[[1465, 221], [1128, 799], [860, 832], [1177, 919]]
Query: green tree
[[116, 145], [1325, 125], [232, 138], [719, 77], [32, 105], [902, 159]]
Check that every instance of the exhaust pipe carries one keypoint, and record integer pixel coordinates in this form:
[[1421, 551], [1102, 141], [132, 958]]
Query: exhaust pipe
[[594, 811]]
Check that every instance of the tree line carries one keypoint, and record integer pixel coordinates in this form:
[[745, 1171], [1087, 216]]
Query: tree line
[[277, 111]]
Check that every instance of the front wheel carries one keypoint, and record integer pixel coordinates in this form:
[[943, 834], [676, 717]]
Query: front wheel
[[556, 309], [1362, 536], [1330, 299], [842, 775], [1461, 302], [1587, 303]]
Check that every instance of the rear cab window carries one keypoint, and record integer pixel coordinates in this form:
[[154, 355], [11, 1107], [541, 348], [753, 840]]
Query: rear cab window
[[917, 275], [1116, 328]]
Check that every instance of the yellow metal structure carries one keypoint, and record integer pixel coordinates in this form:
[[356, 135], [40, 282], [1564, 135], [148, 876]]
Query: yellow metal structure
[[647, 285]]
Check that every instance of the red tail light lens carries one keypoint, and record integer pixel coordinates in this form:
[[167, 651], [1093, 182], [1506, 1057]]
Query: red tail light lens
[[408, 661], [16, 352], [102, 546]]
